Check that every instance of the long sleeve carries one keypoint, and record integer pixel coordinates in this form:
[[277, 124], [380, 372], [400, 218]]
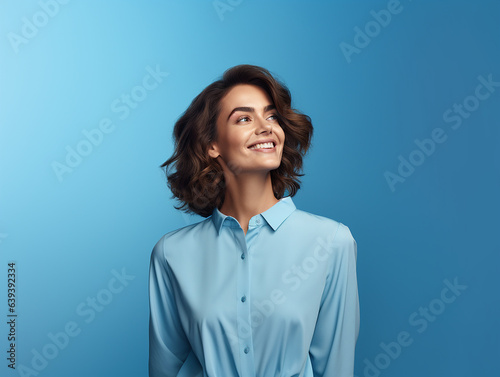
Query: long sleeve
[[168, 345], [337, 327]]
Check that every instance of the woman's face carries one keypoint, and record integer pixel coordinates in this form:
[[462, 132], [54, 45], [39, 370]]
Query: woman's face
[[248, 117]]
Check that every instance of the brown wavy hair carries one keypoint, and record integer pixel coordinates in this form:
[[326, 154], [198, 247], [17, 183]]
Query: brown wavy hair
[[198, 181]]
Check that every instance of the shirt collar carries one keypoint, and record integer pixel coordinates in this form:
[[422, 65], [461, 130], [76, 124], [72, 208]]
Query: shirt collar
[[274, 215]]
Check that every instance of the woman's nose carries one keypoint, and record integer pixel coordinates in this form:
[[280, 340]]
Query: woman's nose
[[264, 124]]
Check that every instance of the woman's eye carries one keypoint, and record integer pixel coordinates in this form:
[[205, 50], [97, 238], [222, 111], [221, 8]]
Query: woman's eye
[[241, 118], [247, 118]]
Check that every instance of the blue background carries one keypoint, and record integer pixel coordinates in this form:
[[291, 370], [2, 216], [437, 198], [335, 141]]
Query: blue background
[[68, 235]]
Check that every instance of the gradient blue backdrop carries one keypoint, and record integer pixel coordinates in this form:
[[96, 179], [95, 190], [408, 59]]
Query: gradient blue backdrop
[[67, 235]]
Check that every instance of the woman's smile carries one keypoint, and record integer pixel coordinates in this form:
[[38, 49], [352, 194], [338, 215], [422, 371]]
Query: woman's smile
[[265, 149]]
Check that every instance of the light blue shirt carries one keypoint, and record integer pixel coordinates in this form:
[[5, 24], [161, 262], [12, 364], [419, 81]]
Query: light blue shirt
[[281, 300]]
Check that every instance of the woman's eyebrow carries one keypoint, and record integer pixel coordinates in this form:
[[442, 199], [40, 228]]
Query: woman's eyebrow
[[250, 109]]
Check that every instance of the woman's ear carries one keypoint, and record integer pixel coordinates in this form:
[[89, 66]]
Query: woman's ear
[[213, 150]]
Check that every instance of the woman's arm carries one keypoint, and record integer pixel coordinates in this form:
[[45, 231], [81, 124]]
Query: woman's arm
[[168, 344], [337, 327]]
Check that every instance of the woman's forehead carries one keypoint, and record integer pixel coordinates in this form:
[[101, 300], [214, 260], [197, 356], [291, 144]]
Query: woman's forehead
[[245, 95]]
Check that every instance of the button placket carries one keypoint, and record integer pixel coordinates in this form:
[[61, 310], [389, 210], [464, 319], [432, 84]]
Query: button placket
[[243, 306]]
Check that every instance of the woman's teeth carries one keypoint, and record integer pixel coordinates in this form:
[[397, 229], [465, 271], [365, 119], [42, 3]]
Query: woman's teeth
[[263, 145]]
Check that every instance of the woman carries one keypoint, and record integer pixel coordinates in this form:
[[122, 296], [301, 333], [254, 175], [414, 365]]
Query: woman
[[258, 288]]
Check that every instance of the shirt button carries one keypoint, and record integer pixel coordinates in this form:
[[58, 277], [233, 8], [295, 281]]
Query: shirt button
[[257, 221], [242, 255], [246, 350], [243, 299]]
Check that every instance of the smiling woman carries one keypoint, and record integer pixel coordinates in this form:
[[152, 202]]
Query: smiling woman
[[220, 293], [249, 145], [232, 106]]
